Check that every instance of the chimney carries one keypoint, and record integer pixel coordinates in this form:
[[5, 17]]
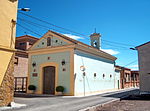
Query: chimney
[[95, 40]]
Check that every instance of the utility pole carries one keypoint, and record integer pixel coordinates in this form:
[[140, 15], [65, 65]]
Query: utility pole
[[84, 82], [82, 68]]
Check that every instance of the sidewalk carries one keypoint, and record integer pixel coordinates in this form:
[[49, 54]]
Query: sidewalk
[[25, 95], [13, 106]]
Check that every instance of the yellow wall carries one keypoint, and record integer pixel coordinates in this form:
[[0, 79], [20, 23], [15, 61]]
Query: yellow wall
[[8, 11]]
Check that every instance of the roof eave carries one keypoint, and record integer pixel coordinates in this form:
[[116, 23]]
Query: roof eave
[[142, 45], [95, 52]]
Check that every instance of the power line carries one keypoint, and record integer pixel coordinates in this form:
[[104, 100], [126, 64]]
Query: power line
[[37, 33], [51, 24], [65, 29], [47, 28], [29, 30], [36, 24], [130, 63], [117, 43]]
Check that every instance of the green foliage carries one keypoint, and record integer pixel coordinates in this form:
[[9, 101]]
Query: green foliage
[[60, 89], [32, 87]]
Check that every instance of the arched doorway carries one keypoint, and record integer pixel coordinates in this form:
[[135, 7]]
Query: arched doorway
[[49, 80]]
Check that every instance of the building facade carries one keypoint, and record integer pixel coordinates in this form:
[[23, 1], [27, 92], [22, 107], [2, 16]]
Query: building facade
[[135, 78], [81, 69], [128, 78], [8, 12], [144, 66], [23, 43], [117, 77]]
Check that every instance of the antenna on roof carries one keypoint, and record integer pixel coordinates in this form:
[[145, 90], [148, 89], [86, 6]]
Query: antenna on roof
[[25, 33], [95, 30]]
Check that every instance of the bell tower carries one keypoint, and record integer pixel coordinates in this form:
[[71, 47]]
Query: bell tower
[[95, 40]]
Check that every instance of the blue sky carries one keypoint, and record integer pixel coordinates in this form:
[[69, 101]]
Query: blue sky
[[121, 21]]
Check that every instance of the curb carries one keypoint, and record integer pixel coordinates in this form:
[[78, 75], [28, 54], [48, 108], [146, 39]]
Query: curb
[[93, 108], [13, 106]]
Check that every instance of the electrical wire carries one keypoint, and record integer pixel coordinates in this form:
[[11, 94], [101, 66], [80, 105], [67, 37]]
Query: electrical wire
[[51, 24], [130, 63], [61, 44], [47, 28], [37, 33], [106, 42], [70, 30], [28, 29], [117, 43], [39, 25]]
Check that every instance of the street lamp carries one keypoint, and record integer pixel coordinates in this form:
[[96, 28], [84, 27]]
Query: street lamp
[[24, 9], [133, 48]]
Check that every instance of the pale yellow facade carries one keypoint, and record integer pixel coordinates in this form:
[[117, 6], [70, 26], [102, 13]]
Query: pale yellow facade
[[8, 14]]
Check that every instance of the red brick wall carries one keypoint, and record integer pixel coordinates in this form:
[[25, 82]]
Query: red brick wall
[[21, 69]]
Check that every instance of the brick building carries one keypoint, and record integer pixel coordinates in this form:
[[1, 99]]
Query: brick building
[[23, 43], [128, 78], [135, 78]]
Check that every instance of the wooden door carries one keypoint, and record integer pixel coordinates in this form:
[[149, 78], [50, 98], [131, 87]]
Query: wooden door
[[49, 80]]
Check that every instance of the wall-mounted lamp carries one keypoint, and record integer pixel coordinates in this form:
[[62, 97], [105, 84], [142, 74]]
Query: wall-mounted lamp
[[82, 68], [24, 9], [33, 64], [133, 48], [63, 62]]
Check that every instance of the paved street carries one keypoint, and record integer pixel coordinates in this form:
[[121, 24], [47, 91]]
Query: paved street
[[68, 103]]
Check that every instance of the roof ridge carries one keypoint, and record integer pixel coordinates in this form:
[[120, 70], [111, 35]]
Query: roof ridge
[[142, 44], [27, 36], [76, 41]]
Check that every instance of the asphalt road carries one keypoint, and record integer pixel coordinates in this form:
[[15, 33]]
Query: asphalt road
[[65, 103]]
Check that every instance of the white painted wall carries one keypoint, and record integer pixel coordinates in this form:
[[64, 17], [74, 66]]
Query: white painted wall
[[117, 79], [93, 65]]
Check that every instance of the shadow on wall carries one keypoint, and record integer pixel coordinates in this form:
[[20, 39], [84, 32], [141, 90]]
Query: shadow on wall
[[83, 54]]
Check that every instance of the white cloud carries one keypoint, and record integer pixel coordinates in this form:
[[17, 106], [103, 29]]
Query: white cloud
[[73, 36], [110, 51], [133, 67]]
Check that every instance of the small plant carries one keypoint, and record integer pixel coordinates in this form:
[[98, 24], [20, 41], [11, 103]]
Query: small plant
[[32, 87], [59, 89]]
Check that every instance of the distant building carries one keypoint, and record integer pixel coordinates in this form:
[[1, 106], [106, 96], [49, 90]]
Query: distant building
[[57, 60], [117, 77], [144, 66], [23, 43], [128, 78], [135, 78]]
